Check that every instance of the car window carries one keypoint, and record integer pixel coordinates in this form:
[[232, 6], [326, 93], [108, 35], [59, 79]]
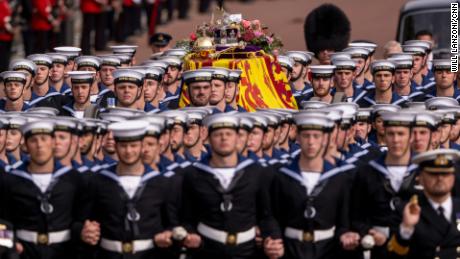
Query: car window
[[435, 21]]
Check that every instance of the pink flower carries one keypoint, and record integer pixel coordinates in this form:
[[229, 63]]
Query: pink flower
[[269, 40], [193, 36], [248, 36], [246, 24], [256, 25], [258, 34]]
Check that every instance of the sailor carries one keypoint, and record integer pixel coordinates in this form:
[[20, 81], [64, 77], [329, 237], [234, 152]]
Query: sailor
[[381, 186], [300, 72], [362, 61], [232, 90], [219, 213], [14, 84], [152, 86], [128, 87], [343, 80], [444, 81], [377, 133], [321, 83], [43, 94], [15, 141], [131, 223], [57, 73], [106, 86], [194, 137], [219, 81], [41, 197], [126, 50], [404, 86], [28, 67], [383, 72], [172, 82], [317, 195], [199, 86], [79, 102], [425, 126], [91, 64]]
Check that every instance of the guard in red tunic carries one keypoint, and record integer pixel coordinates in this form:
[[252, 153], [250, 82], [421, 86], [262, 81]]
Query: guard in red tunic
[[93, 19], [6, 34]]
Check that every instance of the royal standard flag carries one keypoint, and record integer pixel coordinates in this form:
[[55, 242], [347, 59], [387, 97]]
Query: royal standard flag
[[262, 85]]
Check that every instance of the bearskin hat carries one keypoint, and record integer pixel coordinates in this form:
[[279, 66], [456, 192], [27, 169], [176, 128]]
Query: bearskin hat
[[327, 27]]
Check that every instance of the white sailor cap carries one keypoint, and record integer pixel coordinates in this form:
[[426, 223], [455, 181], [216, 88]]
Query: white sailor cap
[[64, 123], [344, 64], [340, 55], [426, 119], [23, 64], [323, 71], [50, 111], [41, 59], [16, 122], [299, 56], [402, 60], [156, 63], [13, 76], [177, 52], [273, 119], [401, 55], [154, 119], [199, 75], [377, 109], [415, 50], [312, 122], [128, 76], [172, 61], [133, 130], [441, 64], [81, 77], [435, 103], [403, 119], [58, 58], [124, 58], [427, 45], [220, 121], [357, 52], [234, 75], [4, 122], [154, 73], [258, 121], [110, 61], [178, 117], [416, 105], [112, 117], [382, 65], [349, 109], [124, 49], [334, 115], [70, 52], [220, 73], [154, 130], [364, 114], [364, 44], [207, 110], [88, 61], [439, 161], [246, 123], [286, 61], [37, 127], [448, 116], [312, 105], [195, 118], [125, 112]]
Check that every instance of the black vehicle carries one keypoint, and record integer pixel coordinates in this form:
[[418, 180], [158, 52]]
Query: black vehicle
[[431, 15]]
